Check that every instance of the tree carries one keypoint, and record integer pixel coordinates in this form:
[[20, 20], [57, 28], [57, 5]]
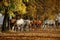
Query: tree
[[8, 7]]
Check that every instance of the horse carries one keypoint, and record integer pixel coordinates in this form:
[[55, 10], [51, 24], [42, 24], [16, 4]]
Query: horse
[[48, 23], [58, 21], [22, 24], [27, 25], [12, 23], [36, 23]]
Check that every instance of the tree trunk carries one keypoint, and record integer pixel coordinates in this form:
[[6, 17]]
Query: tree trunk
[[5, 26]]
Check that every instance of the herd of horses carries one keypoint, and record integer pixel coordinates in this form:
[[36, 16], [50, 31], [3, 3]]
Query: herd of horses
[[25, 25]]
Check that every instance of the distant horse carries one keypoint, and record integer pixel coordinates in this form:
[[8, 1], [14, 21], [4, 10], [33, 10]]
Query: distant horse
[[19, 24], [36, 23], [48, 23], [58, 21], [22, 24], [12, 23]]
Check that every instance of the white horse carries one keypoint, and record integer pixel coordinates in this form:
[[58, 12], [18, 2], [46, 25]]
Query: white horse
[[48, 23], [27, 24], [22, 24], [58, 20]]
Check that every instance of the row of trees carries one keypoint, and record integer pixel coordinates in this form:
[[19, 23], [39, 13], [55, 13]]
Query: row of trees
[[44, 8], [33, 9]]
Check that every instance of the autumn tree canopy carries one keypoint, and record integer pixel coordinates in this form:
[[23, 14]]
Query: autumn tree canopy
[[13, 5], [36, 8]]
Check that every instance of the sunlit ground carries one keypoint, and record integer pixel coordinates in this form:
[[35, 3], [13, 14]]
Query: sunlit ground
[[38, 33], [38, 30]]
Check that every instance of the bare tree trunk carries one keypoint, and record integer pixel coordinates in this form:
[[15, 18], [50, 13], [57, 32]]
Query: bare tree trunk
[[5, 26]]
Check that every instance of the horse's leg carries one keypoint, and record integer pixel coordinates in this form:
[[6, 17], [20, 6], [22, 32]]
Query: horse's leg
[[54, 25], [27, 27], [22, 27], [48, 25], [18, 28], [44, 25], [13, 28], [58, 24], [11, 25]]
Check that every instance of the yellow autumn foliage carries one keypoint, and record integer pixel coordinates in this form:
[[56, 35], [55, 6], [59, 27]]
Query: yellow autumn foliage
[[26, 0], [51, 17], [5, 3], [32, 11], [21, 8], [11, 14], [35, 8]]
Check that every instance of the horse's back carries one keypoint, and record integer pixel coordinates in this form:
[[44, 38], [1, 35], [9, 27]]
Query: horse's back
[[20, 21]]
